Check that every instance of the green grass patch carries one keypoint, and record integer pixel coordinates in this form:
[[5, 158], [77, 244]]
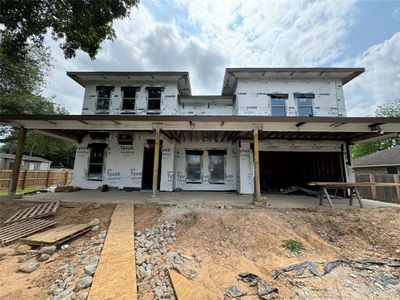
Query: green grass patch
[[293, 246], [21, 192]]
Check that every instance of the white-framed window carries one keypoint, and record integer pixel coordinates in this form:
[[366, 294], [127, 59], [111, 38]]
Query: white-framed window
[[304, 104], [217, 161], [128, 97], [278, 104], [154, 100], [194, 162], [103, 98]]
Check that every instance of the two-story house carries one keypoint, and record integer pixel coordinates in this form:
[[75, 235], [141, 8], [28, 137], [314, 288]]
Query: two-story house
[[269, 129]]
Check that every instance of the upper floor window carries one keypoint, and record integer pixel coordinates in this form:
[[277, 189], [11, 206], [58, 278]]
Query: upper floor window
[[278, 104], [103, 97], [154, 100], [304, 104], [128, 97]]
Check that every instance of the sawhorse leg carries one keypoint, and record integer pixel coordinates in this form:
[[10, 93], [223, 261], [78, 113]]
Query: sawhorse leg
[[351, 197], [328, 197], [358, 197], [321, 196]]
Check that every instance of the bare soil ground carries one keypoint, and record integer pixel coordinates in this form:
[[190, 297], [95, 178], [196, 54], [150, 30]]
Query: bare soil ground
[[231, 241], [17, 285]]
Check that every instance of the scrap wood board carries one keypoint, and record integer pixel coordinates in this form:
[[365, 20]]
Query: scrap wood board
[[37, 211], [22, 229], [57, 235], [185, 289]]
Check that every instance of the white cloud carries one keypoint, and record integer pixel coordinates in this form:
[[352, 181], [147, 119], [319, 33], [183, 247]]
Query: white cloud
[[205, 36], [381, 80]]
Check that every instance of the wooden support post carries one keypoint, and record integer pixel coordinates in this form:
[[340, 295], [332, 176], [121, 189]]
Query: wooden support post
[[396, 179], [17, 162], [156, 161], [373, 188], [257, 189], [23, 180]]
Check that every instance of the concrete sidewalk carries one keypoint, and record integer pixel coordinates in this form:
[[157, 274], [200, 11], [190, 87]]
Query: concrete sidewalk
[[192, 198]]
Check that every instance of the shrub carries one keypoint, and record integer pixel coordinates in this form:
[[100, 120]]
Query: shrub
[[293, 246]]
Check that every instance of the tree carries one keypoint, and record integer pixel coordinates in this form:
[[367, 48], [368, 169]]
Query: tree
[[77, 24], [389, 109], [20, 94]]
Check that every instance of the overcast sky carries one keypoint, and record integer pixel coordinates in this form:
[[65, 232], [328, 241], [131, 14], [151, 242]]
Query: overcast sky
[[206, 36]]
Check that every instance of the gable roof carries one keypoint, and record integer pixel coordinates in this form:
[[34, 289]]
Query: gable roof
[[385, 157]]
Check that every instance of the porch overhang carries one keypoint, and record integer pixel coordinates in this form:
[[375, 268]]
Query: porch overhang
[[220, 128]]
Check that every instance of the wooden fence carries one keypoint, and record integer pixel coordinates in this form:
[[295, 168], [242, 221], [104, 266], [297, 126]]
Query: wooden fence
[[39, 179], [380, 193]]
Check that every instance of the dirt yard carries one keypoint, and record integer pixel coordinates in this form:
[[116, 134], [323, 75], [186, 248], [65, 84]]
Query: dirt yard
[[231, 241], [36, 285], [223, 242]]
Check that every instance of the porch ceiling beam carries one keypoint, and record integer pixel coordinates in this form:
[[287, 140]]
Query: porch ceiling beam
[[168, 135], [83, 122]]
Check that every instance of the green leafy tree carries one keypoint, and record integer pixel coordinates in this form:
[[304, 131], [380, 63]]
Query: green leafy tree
[[76, 24], [389, 109]]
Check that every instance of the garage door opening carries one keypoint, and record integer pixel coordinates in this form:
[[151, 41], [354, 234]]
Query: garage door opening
[[279, 170]]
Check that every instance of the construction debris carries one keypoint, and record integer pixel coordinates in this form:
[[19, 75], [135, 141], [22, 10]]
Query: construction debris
[[15, 231], [234, 292], [312, 267], [292, 189], [264, 290], [37, 211], [58, 235]]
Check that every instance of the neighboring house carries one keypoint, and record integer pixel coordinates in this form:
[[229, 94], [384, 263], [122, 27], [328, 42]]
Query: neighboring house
[[295, 117], [382, 162], [28, 162]]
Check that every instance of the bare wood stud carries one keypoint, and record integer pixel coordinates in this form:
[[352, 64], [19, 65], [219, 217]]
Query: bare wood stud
[[17, 161], [156, 161]]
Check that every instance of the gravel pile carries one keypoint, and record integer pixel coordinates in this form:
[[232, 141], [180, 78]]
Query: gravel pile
[[76, 276], [153, 261]]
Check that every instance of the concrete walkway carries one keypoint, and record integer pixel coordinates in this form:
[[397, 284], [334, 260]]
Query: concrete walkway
[[202, 198], [115, 276]]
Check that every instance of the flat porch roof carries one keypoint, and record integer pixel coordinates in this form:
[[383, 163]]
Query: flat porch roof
[[230, 128]]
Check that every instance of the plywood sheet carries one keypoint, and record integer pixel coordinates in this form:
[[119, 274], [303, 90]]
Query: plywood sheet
[[115, 277], [185, 289], [57, 235]]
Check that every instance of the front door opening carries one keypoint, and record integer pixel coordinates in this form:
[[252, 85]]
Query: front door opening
[[148, 165]]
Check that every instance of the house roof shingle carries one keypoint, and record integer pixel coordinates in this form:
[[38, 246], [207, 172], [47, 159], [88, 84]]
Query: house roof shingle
[[385, 157]]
